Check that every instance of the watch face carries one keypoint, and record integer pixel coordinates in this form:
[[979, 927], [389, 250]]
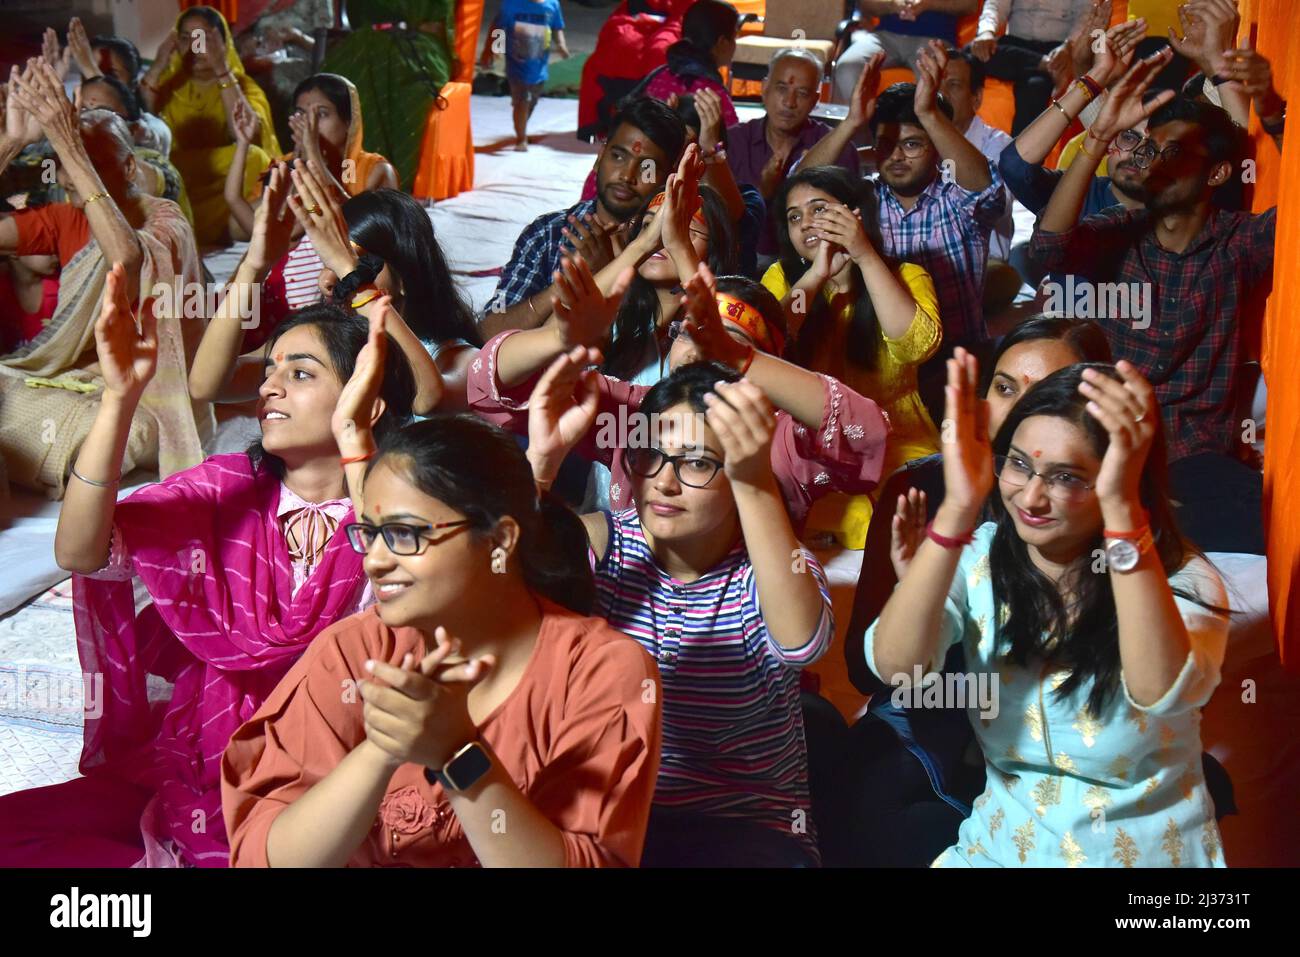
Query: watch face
[[1122, 555], [465, 770]]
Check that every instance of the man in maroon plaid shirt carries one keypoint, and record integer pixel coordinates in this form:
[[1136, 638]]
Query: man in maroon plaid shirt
[[1194, 266]]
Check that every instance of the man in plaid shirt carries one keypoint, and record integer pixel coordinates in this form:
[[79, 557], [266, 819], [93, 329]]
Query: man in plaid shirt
[[938, 197], [645, 144], [1195, 266]]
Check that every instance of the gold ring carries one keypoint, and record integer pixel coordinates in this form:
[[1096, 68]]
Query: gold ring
[[315, 210], [1142, 417]]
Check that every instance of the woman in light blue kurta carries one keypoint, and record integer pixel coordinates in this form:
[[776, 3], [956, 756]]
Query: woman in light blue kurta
[[1103, 770]]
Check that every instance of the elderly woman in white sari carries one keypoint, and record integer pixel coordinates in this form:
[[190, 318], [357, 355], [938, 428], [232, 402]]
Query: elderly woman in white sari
[[50, 387]]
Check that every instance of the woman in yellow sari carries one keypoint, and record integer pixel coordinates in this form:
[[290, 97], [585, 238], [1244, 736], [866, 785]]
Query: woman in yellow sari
[[197, 84]]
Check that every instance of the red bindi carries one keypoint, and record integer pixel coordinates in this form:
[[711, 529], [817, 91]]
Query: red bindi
[[1038, 453], [279, 357], [636, 146]]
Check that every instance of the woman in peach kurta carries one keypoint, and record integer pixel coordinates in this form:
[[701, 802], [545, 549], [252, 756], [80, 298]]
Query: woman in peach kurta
[[332, 769]]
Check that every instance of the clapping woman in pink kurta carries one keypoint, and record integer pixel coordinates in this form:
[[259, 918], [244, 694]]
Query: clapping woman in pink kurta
[[244, 560]]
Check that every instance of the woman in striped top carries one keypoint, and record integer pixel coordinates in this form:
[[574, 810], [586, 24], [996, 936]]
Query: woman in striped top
[[706, 573]]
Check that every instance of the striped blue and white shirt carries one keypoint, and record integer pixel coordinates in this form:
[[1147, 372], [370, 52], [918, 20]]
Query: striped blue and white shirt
[[733, 736]]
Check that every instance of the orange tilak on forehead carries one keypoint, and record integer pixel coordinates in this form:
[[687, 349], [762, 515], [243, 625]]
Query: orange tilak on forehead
[[279, 357], [1038, 453], [636, 146]]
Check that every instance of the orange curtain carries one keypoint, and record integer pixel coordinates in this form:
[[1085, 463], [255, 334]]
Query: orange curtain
[[1278, 183], [469, 17]]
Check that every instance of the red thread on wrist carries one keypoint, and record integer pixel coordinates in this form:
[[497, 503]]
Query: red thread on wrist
[[945, 541], [353, 459], [749, 361]]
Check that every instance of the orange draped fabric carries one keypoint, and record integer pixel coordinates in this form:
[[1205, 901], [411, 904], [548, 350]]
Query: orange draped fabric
[[464, 50], [1278, 183]]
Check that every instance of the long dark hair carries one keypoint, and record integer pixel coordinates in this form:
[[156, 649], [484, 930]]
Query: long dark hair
[[344, 333], [637, 321], [864, 329], [1037, 621], [704, 24], [333, 88], [396, 228], [482, 473]]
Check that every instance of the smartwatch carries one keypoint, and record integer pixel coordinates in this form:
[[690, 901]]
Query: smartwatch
[[464, 770]]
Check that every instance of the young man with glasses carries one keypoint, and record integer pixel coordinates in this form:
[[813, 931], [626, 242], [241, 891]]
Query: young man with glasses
[[1200, 265]]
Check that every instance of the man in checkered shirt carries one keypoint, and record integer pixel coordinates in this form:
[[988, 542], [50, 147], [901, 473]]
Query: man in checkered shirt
[[645, 144], [1198, 266]]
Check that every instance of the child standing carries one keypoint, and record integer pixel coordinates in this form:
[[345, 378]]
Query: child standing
[[527, 26]]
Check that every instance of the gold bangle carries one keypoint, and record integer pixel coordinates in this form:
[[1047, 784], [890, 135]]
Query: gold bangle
[[1068, 117], [1084, 150], [102, 194], [369, 299]]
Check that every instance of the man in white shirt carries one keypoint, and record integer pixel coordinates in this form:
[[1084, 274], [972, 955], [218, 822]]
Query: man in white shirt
[[1044, 38]]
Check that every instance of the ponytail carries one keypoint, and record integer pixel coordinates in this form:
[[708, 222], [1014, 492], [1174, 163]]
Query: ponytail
[[481, 472]]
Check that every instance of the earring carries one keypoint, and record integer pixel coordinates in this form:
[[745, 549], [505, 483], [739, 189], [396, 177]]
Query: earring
[[498, 561]]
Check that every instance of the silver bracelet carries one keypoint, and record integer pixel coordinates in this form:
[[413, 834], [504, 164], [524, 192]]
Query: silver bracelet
[[78, 475]]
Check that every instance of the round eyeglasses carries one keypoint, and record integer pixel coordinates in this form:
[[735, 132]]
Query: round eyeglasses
[[1064, 487], [1128, 140], [401, 539], [696, 471], [1145, 155]]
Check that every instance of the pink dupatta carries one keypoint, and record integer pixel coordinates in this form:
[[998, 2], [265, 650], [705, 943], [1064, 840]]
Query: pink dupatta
[[223, 627]]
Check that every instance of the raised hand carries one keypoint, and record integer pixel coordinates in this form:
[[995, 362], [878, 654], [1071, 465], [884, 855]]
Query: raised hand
[[317, 209], [169, 47], [1253, 71], [827, 262], [709, 105], [1115, 51], [967, 454], [1080, 40], [356, 410], [1127, 408], [1122, 107], [246, 123], [561, 410], [21, 125], [744, 421], [681, 202], [906, 530], [842, 226], [59, 60], [862, 104], [583, 314], [591, 239], [128, 357], [703, 322], [420, 714], [1059, 64], [80, 48], [272, 224], [930, 64], [1209, 27], [39, 91], [773, 172]]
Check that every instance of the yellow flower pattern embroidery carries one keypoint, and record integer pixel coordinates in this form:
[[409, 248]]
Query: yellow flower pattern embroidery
[[1071, 851], [1057, 679], [1210, 840], [983, 799], [1023, 838], [1013, 754], [1096, 798], [976, 848], [1152, 784], [1034, 722], [1139, 718], [1087, 726], [1126, 849], [1046, 793], [979, 571], [1167, 735], [1065, 762], [1119, 768], [1187, 783], [996, 820], [1173, 844]]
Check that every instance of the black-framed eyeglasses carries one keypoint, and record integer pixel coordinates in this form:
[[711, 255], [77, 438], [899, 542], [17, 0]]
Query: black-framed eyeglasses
[[1064, 487], [1146, 153], [401, 538], [911, 147], [696, 471], [1128, 140]]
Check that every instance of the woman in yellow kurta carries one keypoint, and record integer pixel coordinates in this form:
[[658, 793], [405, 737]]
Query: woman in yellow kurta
[[196, 84], [855, 316]]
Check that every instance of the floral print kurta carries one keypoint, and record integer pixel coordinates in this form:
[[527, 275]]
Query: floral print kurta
[[1066, 788]]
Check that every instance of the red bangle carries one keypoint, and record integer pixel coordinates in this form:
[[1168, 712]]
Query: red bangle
[[749, 361], [947, 542], [353, 459], [1134, 535], [1093, 86]]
